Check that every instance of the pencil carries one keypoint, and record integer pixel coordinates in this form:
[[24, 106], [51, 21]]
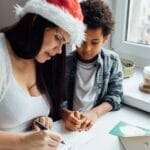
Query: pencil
[[44, 128]]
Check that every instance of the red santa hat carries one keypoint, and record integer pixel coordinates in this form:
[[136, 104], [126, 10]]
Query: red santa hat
[[66, 14]]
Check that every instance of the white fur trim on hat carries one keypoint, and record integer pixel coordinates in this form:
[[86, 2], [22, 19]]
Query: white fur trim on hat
[[57, 15]]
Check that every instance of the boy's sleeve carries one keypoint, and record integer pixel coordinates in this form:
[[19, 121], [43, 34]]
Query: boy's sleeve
[[115, 90]]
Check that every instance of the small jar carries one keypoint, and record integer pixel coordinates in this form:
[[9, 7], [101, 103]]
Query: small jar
[[146, 73]]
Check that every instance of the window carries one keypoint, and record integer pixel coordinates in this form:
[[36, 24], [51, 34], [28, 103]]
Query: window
[[131, 38], [139, 22]]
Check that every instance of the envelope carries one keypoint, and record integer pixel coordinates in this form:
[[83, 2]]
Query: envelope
[[132, 137]]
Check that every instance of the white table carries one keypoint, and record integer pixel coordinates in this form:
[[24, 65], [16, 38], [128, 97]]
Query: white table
[[101, 139]]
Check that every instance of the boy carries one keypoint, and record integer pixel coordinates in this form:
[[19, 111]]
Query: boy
[[93, 75]]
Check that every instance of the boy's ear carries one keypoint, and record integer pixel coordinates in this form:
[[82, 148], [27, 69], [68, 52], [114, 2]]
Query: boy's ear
[[106, 38]]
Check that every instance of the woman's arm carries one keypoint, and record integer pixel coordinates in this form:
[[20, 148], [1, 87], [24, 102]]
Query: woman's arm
[[9, 140], [35, 140]]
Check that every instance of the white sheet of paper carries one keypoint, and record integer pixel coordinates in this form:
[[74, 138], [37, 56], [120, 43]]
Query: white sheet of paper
[[73, 140]]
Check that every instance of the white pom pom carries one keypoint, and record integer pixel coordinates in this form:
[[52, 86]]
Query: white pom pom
[[19, 12]]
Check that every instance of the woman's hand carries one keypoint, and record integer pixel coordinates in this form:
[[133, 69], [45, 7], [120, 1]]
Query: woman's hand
[[40, 140], [45, 121]]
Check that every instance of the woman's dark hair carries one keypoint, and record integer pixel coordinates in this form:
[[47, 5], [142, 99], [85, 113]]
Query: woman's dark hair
[[97, 14], [25, 38]]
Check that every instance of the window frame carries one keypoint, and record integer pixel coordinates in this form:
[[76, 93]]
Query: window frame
[[139, 53]]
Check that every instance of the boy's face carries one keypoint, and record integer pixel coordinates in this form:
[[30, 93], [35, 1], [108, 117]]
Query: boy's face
[[92, 45]]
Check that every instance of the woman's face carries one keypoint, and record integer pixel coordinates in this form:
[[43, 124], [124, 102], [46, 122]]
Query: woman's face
[[92, 45], [54, 39]]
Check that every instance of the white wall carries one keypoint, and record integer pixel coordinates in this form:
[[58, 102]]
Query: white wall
[[7, 15]]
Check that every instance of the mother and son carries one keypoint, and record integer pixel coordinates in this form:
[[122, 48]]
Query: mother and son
[[36, 78]]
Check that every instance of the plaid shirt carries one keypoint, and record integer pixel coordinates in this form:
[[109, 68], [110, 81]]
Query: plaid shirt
[[108, 78]]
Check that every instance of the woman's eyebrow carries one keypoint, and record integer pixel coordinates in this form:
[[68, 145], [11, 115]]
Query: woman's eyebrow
[[63, 37]]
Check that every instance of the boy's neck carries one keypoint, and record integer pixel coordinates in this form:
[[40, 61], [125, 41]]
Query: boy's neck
[[86, 61]]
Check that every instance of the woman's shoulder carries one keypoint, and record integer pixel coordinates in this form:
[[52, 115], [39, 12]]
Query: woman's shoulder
[[4, 58], [2, 45], [4, 66]]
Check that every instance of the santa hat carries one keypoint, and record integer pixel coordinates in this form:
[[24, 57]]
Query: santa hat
[[66, 14]]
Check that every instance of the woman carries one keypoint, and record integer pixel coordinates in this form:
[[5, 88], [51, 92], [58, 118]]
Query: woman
[[31, 72], [94, 74]]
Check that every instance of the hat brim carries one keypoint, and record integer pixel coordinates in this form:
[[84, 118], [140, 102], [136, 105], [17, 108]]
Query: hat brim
[[57, 15]]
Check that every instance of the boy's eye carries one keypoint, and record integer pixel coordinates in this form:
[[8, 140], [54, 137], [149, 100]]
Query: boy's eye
[[83, 43], [94, 43]]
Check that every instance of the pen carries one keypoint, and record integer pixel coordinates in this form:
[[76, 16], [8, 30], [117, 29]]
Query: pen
[[44, 128]]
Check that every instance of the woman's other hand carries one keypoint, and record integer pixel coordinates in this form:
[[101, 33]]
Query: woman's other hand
[[45, 121]]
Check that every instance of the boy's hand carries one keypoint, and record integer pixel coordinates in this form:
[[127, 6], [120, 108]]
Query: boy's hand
[[45, 121], [72, 120], [88, 120]]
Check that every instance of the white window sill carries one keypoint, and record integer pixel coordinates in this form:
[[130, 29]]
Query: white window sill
[[132, 94]]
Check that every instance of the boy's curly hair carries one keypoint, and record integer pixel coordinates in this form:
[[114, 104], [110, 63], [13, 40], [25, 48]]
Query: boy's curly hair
[[97, 14]]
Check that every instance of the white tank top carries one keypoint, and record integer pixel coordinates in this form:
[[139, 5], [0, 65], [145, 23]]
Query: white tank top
[[18, 109]]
